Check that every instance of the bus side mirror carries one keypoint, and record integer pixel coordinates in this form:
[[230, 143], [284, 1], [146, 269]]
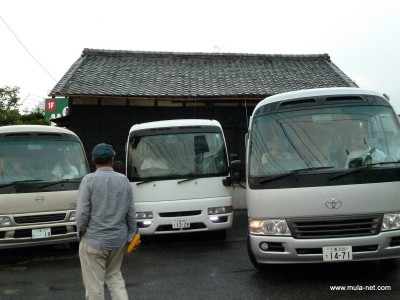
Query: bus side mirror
[[237, 170], [237, 173]]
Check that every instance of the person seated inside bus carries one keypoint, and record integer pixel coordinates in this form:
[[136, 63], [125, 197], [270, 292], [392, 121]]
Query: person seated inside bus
[[153, 161], [2, 165], [358, 152], [276, 150], [272, 157], [19, 168], [5, 170], [64, 169], [14, 168]]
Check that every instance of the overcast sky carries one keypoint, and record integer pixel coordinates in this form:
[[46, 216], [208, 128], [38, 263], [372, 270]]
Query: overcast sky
[[41, 39]]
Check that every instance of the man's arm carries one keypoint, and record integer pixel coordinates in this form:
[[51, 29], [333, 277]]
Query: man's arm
[[131, 215], [83, 207]]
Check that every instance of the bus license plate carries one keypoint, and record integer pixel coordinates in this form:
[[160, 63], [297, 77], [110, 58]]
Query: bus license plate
[[337, 253], [180, 223], [41, 233]]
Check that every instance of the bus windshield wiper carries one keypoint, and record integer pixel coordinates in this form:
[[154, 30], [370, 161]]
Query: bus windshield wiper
[[145, 181], [355, 170], [151, 179], [19, 181], [293, 172], [58, 182], [188, 179]]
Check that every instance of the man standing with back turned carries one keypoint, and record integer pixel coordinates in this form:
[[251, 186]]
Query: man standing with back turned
[[106, 221]]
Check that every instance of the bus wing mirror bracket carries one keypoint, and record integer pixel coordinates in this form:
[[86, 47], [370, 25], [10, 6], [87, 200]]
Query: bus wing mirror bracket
[[233, 157]]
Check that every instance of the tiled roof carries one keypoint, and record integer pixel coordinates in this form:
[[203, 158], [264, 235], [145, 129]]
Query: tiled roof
[[169, 74]]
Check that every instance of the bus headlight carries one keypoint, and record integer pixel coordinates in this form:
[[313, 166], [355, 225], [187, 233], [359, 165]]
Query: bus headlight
[[144, 215], [72, 216], [269, 227], [219, 210], [391, 221], [5, 221], [144, 219]]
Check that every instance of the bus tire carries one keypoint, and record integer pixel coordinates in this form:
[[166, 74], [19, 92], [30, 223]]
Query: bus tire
[[257, 265]]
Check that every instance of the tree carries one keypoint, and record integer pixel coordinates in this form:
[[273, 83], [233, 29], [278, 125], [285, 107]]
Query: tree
[[9, 109]]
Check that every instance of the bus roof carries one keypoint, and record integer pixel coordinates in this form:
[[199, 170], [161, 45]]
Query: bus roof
[[175, 123], [37, 128], [317, 92]]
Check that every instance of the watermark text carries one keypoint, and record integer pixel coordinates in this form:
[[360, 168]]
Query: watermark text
[[360, 288]]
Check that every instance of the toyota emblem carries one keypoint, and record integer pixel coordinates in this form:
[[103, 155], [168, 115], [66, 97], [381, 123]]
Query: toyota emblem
[[333, 203]]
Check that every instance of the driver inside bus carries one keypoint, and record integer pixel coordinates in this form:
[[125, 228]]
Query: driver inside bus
[[153, 161], [358, 151], [64, 169]]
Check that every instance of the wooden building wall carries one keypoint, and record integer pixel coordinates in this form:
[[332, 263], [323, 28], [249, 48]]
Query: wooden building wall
[[110, 124]]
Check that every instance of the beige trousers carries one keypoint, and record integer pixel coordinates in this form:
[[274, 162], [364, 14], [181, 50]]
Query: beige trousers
[[99, 267]]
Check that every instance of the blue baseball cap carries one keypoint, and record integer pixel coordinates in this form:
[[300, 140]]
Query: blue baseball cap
[[102, 153]]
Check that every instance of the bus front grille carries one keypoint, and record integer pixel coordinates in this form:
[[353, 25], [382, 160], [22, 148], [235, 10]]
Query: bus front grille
[[42, 218], [180, 213], [335, 227], [26, 233]]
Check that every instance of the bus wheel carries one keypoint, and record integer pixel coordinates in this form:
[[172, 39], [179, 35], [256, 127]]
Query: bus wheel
[[390, 264], [257, 265]]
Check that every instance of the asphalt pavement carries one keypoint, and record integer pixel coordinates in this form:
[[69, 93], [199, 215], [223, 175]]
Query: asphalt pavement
[[191, 266]]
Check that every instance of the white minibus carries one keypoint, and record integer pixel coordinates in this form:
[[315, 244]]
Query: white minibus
[[178, 170], [322, 172], [41, 168]]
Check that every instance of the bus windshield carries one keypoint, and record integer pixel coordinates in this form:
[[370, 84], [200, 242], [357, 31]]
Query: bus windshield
[[324, 138], [41, 160], [174, 156]]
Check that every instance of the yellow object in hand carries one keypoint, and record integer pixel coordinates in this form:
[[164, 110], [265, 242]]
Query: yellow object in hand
[[135, 241]]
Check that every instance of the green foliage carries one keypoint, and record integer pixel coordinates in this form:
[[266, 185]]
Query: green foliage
[[9, 98], [36, 117], [9, 109]]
